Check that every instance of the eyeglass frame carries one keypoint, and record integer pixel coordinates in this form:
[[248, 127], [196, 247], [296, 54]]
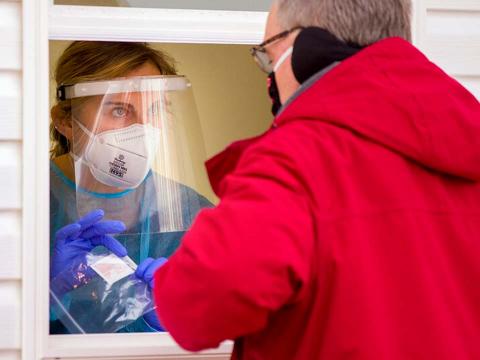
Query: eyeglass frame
[[261, 61]]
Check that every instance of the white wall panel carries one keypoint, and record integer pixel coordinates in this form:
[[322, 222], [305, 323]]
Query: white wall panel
[[472, 83], [10, 315], [10, 103], [453, 23], [10, 240], [11, 177], [454, 5], [10, 355], [457, 56], [451, 39], [11, 34]]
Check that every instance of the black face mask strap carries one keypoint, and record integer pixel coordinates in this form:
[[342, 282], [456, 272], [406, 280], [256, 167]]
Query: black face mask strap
[[274, 94], [314, 49]]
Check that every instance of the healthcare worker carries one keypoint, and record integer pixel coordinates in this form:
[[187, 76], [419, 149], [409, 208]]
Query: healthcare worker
[[122, 154]]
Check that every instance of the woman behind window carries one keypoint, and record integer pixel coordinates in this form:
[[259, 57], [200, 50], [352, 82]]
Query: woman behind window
[[119, 153]]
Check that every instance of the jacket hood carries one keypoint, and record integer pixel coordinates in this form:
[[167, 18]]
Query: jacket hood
[[391, 94]]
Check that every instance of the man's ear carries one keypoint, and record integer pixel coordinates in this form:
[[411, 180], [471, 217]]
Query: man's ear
[[62, 122]]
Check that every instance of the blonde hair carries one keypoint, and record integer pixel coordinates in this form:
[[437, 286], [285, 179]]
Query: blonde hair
[[94, 60], [360, 22]]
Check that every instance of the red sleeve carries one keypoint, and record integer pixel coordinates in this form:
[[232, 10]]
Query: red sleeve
[[242, 260]]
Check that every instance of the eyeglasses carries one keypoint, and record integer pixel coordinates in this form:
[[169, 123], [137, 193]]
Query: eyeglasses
[[259, 52]]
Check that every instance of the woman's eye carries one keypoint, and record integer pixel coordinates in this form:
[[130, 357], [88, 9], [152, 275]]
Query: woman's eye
[[119, 112]]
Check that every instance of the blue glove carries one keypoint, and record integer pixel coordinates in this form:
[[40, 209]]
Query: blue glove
[[146, 271], [74, 241]]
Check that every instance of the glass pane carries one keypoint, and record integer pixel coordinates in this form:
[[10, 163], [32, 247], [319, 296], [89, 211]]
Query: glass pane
[[245, 5], [93, 291]]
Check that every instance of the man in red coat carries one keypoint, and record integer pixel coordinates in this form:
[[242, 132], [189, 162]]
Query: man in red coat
[[350, 229]]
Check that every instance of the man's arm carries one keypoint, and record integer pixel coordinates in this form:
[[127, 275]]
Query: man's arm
[[242, 260]]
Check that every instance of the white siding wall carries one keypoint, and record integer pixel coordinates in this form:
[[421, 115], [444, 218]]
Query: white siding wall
[[451, 38], [10, 179]]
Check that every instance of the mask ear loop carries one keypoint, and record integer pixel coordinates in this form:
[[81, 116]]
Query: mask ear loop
[[282, 58], [91, 136], [83, 127]]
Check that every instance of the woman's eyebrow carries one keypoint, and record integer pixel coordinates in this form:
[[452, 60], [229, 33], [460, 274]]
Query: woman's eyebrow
[[120, 103]]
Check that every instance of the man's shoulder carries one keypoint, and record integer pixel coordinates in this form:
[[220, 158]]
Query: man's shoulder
[[298, 136]]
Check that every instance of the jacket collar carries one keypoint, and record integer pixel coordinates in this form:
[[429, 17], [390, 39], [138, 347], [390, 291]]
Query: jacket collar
[[226, 161]]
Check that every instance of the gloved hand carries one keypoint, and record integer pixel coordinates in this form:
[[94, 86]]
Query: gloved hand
[[74, 241], [146, 271]]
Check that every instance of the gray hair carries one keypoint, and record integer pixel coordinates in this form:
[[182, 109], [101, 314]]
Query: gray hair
[[361, 22]]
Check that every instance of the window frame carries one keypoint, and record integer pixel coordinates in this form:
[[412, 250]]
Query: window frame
[[44, 21], [74, 22]]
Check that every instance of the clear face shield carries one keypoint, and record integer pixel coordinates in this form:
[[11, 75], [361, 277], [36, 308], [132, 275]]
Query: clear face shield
[[138, 150], [138, 153]]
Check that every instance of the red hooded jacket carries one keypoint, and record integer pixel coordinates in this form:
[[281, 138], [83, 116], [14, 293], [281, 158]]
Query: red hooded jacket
[[350, 230]]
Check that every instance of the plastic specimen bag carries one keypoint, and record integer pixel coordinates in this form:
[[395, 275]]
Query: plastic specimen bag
[[107, 295]]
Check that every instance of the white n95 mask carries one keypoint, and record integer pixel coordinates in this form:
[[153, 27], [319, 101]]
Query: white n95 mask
[[121, 158]]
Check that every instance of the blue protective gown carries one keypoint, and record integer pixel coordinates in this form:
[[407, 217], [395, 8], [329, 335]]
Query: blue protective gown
[[145, 237]]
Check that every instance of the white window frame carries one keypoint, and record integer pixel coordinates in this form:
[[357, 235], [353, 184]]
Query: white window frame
[[44, 21], [155, 25]]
